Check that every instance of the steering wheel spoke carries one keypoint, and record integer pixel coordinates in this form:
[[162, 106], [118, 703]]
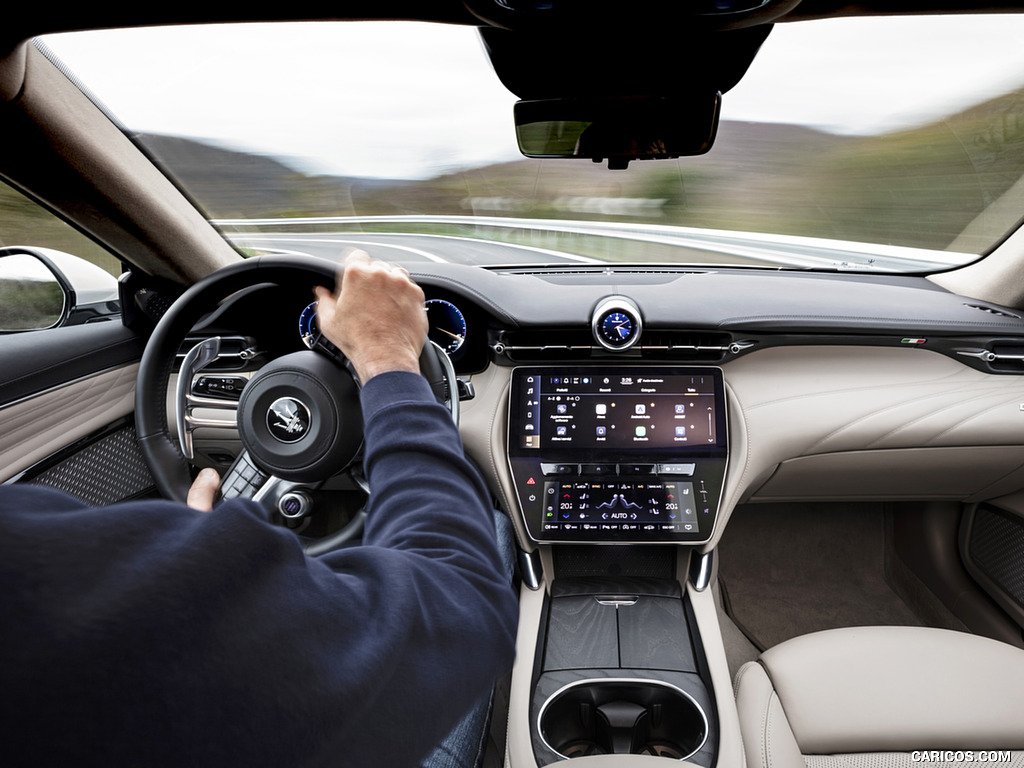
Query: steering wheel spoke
[[187, 402]]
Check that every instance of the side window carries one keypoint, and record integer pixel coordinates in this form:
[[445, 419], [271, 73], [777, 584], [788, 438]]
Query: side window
[[50, 274]]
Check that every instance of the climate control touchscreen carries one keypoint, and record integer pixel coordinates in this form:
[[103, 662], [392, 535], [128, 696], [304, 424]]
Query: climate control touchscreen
[[616, 454]]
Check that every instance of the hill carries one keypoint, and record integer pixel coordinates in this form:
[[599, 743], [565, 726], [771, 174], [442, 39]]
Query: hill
[[920, 187]]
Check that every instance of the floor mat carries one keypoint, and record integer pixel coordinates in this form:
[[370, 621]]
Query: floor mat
[[790, 569]]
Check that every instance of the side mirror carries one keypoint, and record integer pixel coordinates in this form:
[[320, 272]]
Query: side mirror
[[618, 129], [42, 288], [31, 296]]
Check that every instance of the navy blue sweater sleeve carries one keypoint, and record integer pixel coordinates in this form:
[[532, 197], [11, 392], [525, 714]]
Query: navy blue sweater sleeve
[[147, 633]]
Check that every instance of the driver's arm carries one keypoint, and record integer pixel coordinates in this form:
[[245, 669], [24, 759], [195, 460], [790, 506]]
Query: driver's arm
[[148, 632], [376, 318]]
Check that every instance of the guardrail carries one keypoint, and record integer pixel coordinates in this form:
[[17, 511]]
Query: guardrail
[[782, 250]]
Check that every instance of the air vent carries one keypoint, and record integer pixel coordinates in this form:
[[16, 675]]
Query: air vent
[[602, 270], [685, 345], [543, 346], [993, 311], [995, 356], [565, 344]]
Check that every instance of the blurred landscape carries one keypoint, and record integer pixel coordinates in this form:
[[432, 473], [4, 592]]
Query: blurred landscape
[[953, 184], [923, 187]]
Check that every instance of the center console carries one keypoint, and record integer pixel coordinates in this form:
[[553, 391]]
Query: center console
[[618, 454], [612, 659], [619, 670]]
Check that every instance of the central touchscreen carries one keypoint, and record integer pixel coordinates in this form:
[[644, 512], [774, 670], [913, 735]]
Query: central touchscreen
[[616, 413], [603, 454]]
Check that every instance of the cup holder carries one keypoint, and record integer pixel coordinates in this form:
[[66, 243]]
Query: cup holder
[[639, 717]]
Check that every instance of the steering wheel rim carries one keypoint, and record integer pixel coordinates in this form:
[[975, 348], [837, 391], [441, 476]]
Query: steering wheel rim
[[168, 465]]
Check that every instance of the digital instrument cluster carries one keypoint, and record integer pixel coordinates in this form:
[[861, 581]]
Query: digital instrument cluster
[[447, 327], [609, 454]]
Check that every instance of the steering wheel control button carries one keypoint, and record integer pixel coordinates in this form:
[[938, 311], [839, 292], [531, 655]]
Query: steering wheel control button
[[288, 420], [616, 323], [224, 387], [243, 479]]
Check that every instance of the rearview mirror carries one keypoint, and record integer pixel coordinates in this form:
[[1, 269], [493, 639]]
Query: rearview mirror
[[617, 129]]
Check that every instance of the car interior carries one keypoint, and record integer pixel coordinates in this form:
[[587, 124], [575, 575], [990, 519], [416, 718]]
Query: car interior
[[768, 511]]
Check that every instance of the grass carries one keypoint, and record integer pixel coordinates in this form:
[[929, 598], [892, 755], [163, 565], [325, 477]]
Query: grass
[[24, 222]]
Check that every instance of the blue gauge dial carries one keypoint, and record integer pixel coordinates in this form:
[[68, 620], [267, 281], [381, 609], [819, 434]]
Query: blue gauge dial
[[309, 331], [617, 328], [447, 325]]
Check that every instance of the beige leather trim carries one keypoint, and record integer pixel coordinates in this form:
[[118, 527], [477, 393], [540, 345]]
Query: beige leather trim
[[519, 744], [32, 429], [483, 424], [899, 689], [767, 737], [791, 402], [730, 744], [906, 473]]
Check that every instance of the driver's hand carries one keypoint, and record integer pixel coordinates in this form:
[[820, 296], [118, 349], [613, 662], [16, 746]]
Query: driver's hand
[[376, 319], [204, 490]]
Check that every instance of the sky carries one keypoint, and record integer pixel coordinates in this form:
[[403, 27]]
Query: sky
[[414, 100]]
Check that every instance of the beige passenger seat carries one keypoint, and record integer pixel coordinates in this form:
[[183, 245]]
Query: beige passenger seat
[[883, 697]]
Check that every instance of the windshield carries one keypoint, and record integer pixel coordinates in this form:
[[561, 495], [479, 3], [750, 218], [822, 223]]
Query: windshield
[[891, 144]]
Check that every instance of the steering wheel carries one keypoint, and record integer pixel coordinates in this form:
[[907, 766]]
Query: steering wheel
[[298, 417]]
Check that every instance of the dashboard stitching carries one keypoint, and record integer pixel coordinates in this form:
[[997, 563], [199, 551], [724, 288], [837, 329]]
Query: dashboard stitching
[[903, 321], [972, 417], [888, 408], [830, 392], [946, 409]]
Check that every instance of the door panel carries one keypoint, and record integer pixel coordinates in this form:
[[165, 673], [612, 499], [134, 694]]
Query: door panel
[[67, 396]]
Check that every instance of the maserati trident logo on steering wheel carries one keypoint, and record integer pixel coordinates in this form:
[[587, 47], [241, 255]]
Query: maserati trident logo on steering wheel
[[288, 419]]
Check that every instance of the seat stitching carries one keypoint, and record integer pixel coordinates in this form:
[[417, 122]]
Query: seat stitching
[[772, 698]]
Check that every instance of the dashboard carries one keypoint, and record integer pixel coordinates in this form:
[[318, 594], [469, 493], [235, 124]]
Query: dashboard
[[808, 386]]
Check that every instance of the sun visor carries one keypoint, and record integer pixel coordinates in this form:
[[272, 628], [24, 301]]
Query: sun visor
[[552, 65]]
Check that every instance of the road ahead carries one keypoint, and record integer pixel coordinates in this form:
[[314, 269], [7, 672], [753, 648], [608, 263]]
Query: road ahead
[[690, 246], [408, 247]]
